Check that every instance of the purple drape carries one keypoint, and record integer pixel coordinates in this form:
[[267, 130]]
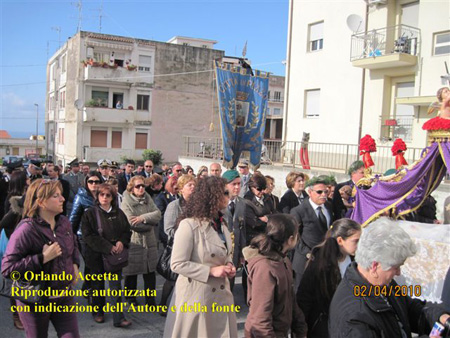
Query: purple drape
[[406, 195]]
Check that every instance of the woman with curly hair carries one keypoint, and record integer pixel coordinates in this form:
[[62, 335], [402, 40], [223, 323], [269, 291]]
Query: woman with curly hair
[[202, 257]]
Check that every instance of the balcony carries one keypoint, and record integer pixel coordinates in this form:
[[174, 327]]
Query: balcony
[[111, 115], [388, 47], [118, 75]]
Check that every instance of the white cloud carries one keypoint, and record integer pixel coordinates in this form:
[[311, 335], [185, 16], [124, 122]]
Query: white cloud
[[13, 100]]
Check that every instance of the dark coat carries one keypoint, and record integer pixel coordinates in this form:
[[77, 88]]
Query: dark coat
[[4, 187], [82, 202], [339, 208], [122, 180], [24, 250], [66, 193], [311, 234], [289, 201], [115, 228], [236, 226], [142, 173], [271, 297], [253, 211], [13, 216], [162, 201], [372, 316]]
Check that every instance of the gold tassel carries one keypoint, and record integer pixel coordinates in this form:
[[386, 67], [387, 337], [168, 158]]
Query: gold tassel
[[211, 127]]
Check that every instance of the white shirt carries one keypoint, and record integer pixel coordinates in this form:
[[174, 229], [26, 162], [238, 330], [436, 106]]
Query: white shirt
[[324, 210], [343, 265]]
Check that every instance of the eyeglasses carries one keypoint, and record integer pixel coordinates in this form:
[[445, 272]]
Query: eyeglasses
[[320, 192], [139, 186], [179, 170], [102, 194], [44, 181], [149, 166], [93, 181]]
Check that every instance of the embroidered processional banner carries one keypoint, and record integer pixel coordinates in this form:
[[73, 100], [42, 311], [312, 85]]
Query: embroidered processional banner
[[242, 105]]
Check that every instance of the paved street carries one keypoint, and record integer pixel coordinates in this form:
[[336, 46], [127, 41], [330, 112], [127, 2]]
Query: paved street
[[144, 324]]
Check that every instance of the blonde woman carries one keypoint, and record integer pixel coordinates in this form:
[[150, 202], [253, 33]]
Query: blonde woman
[[143, 216]]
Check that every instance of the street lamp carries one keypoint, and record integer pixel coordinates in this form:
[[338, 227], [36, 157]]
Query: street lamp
[[37, 126]]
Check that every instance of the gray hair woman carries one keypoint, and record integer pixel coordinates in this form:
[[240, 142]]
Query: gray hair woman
[[368, 302], [143, 215]]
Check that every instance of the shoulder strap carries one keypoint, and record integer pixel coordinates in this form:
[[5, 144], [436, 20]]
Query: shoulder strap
[[99, 222]]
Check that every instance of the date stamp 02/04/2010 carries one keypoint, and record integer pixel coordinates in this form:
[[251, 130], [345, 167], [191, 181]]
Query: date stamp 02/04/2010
[[387, 290]]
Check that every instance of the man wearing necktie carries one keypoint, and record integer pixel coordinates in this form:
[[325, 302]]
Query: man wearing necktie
[[245, 176], [235, 217], [314, 215], [126, 176]]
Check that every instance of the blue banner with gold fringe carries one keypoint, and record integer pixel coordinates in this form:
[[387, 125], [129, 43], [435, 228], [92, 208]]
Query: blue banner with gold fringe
[[242, 99]]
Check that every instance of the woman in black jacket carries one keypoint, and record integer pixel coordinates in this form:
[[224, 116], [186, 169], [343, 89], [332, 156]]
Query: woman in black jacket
[[323, 273], [115, 237]]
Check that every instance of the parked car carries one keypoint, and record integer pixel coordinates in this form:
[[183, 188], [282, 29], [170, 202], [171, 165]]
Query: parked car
[[11, 159]]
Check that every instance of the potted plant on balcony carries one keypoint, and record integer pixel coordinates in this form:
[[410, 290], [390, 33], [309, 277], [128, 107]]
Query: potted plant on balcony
[[131, 67], [114, 66], [130, 108], [105, 64]]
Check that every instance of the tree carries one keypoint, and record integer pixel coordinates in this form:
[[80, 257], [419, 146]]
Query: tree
[[154, 155]]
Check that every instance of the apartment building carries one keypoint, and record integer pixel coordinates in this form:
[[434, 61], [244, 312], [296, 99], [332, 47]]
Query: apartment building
[[364, 67], [114, 96], [274, 117]]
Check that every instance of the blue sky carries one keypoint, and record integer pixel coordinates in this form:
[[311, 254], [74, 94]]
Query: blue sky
[[29, 35]]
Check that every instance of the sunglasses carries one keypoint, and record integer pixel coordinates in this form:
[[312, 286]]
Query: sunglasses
[[93, 181], [102, 194], [179, 170], [44, 181], [149, 166], [320, 192], [139, 186]]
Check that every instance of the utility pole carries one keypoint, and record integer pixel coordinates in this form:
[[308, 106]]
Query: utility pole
[[37, 127]]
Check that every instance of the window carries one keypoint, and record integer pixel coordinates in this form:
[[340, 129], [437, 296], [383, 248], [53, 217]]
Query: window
[[61, 135], [315, 36], [277, 96], [99, 138], [441, 43], [52, 74], [100, 97], [143, 102], [63, 63], [116, 141], [276, 112], [102, 56], [145, 63], [62, 99], [141, 140], [312, 103]]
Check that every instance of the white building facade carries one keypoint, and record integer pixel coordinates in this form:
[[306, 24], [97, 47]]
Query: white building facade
[[379, 80], [112, 96]]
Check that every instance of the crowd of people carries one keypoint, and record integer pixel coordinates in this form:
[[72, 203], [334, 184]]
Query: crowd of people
[[300, 258]]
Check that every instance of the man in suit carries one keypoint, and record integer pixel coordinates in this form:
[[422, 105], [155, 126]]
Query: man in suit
[[235, 217], [33, 172], [54, 173], [76, 181], [356, 172], [314, 216], [245, 176], [126, 176], [148, 169]]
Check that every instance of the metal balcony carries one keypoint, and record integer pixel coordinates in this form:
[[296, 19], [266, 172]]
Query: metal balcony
[[388, 47]]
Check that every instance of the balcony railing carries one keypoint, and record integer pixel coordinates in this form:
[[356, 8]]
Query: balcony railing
[[385, 41], [401, 127], [111, 115], [325, 156]]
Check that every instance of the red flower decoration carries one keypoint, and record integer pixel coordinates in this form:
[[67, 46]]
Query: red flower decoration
[[398, 147], [367, 145], [437, 123]]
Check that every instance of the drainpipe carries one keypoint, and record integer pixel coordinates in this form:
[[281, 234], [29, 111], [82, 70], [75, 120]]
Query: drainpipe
[[288, 69], [363, 85]]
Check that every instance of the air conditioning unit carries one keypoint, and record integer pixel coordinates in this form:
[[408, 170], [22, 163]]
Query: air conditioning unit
[[377, 2]]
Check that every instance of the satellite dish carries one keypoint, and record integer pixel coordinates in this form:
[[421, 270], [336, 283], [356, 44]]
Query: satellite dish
[[79, 104], [355, 23]]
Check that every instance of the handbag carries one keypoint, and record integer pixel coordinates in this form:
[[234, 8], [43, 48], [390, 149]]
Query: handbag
[[27, 292], [163, 266], [116, 262]]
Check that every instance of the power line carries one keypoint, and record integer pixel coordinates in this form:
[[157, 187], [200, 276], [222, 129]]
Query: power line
[[10, 66]]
